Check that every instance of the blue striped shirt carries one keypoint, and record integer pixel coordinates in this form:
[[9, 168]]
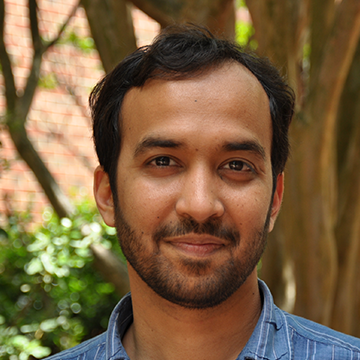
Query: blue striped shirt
[[277, 335]]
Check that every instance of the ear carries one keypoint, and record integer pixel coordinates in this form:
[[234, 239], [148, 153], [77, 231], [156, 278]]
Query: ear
[[103, 196], [276, 203]]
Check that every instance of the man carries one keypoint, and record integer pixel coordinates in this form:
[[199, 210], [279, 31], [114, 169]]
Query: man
[[191, 135]]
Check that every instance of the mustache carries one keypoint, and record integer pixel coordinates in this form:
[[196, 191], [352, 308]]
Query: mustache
[[212, 227]]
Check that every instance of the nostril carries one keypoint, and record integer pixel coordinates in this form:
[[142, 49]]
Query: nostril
[[199, 209]]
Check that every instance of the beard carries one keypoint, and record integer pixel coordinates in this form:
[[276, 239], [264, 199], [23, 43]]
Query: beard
[[199, 284]]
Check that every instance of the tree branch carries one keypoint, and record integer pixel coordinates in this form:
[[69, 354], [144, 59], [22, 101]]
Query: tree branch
[[215, 14], [10, 89], [111, 268], [348, 225], [27, 152], [163, 16], [321, 19], [112, 30], [39, 49], [348, 232], [72, 149], [324, 95], [26, 99], [280, 27], [338, 54], [63, 27], [34, 27], [33, 78], [347, 127]]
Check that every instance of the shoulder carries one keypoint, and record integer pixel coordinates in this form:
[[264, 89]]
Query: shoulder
[[307, 338], [93, 349], [280, 335]]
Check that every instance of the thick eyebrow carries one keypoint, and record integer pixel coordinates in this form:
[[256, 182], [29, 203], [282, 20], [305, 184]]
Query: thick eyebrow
[[252, 146], [151, 142]]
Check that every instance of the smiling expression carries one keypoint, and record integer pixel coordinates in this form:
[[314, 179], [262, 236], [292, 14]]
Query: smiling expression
[[194, 184]]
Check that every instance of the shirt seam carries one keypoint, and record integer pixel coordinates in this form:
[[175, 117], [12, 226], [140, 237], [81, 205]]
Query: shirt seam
[[332, 341]]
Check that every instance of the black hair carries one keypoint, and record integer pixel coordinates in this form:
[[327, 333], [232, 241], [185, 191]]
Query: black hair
[[183, 51]]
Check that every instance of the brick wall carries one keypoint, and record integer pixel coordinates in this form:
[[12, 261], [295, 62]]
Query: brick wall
[[58, 123]]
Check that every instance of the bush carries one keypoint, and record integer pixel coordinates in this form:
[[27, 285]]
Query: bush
[[51, 297]]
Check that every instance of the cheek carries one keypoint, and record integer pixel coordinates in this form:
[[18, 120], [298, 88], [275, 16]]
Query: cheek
[[248, 208], [145, 204]]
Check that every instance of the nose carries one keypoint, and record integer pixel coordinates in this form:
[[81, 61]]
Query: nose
[[199, 197]]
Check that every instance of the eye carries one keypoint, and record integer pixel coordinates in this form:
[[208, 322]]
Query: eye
[[238, 165], [162, 161]]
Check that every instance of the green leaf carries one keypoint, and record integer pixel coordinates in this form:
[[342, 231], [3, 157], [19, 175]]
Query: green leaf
[[34, 266], [244, 32], [52, 297]]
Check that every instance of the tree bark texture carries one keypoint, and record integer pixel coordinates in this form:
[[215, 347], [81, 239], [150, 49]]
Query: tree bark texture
[[217, 15], [18, 107], [26, 150], [16, 114], [319, 224], [348, 226], [112, 29]]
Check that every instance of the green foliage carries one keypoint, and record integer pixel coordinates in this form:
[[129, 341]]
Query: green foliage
[[244, 33], [84, 44], [5, 164], [48, 81], [51, 297], [240, 3], [244, 30]]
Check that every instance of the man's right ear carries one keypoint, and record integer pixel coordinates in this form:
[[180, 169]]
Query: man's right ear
[[103, 196]]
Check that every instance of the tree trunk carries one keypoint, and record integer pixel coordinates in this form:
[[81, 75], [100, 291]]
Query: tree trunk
[[18, 107], [112, 29], [27, 152], [348, 226], [309, 214], [217, 15]]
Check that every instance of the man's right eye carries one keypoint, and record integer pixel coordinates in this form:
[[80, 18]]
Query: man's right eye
[[162, 161]]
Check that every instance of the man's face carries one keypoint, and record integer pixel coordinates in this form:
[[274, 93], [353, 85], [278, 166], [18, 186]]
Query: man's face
[[194, 184]]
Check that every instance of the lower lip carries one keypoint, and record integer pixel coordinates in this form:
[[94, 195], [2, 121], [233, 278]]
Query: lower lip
[[200, 250]]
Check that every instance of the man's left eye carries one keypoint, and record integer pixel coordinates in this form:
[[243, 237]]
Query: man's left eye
[[238, 165]]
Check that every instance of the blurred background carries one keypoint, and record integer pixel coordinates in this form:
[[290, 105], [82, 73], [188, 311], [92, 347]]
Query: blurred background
[[61, 270]]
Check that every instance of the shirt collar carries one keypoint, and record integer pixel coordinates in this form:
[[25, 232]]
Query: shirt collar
[[121, 318], [269, 340]]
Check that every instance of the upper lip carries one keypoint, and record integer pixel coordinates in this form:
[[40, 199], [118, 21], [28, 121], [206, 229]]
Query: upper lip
[[196, 239]]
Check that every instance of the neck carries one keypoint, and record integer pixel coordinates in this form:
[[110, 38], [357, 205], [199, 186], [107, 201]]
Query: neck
[[165, 331]]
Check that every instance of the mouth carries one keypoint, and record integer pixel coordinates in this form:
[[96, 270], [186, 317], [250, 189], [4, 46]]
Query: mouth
[[197, 246]]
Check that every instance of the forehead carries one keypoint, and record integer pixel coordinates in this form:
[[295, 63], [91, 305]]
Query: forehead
[[226, 98]]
